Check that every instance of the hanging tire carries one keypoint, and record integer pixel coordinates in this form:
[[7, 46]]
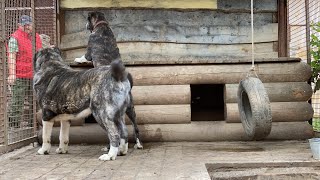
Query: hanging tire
[[254, 108]]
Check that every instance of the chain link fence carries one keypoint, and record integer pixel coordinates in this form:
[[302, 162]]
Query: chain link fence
[[27, 25], [302, 16]]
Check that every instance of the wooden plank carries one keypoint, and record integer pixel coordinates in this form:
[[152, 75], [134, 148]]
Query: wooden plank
[[163, 114], [205, 131], [208, 34], [218, 74], [277, 92], [281, 112], [154, 4], [191, 60], [157, 53], [244, 5], [161, 95]]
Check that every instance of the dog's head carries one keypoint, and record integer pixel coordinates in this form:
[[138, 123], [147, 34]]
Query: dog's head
[[45, 55], [93, 18]]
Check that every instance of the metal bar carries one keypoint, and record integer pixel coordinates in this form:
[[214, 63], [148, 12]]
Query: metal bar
[[34, 111], [308, 31], [27, 8], [3, 36]]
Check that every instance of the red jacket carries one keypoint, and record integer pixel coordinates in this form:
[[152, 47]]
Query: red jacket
[[24, 56]]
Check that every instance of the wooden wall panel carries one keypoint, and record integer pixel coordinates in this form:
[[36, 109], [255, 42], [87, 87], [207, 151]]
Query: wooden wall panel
[[212, 27]]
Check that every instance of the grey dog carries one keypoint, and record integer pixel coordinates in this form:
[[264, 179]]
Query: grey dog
[[64, 94], [102, 49]]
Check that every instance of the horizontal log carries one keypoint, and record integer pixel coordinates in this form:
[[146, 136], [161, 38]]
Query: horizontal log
[[218, 74], [194, 132], [163, 114], [277, 92], [161, 95], [163, 53], [209, 34], [165, 4], [281, 112]]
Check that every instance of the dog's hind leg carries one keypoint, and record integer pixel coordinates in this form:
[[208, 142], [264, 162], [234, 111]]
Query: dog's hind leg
[[131, 113], [114, 139], [123, 148], [46, 137], [64, 137]]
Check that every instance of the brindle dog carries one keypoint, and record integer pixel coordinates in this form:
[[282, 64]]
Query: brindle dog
[[64, 94], [102, 49]]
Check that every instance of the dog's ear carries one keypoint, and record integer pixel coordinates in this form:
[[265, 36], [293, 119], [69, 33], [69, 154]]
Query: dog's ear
[[100, 16], [57, 50]]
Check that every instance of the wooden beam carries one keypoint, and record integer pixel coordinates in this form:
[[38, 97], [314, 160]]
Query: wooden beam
[[281, 112], [154, 4], [277, 92], [283, 28]]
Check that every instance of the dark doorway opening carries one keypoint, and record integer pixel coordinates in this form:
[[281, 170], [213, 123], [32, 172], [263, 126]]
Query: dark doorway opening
[[207, 102]]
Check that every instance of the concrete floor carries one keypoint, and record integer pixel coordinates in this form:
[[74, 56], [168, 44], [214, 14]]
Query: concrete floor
[[180, 160]]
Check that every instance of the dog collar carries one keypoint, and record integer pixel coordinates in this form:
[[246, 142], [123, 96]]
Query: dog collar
[[100, 22]]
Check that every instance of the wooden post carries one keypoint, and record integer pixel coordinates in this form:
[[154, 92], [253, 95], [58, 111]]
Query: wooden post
[[283, 26]]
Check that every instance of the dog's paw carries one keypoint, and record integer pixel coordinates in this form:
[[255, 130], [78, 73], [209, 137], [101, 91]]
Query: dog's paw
[[62, 150], [45, 149], [138, 145], [123, 148], [107, 157], [82, 59]]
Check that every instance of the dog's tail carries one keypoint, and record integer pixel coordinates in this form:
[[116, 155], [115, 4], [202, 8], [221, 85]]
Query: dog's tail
[[118, 70]]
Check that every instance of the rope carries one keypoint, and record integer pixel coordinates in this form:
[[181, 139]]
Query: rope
[[252, 71], [252, 37]]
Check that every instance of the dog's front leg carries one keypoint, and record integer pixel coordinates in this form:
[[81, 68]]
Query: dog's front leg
[[114, 139], [64, 137], [46, 137]]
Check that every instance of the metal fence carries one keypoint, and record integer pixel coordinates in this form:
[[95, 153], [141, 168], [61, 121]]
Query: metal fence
[[19, 43], [302, 15]]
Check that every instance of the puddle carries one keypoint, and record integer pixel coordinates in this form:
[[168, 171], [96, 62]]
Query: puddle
[[264, 171]]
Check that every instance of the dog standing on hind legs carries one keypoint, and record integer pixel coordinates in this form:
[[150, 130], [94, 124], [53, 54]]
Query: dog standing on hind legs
[[102, 50], [64, 94]]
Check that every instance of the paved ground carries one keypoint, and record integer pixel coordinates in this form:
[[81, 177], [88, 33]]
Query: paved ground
[[181, 160]]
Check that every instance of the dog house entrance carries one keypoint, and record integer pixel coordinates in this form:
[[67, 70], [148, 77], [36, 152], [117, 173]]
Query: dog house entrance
[[207, 102]]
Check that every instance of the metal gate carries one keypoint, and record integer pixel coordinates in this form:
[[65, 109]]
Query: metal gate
[[18, 126]]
